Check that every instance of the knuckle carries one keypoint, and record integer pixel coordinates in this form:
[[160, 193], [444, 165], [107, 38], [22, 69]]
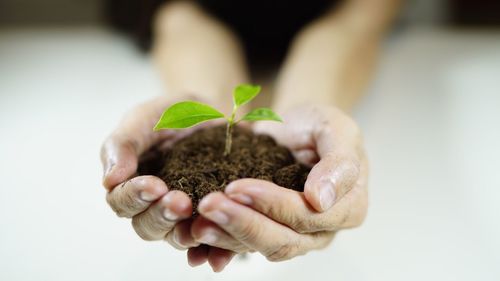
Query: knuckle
[[122, 139], [303, 226], [116, 206], [320, 239], [285, 212], [248, 232], [151, 225], [121, 213], [313, 224], [335, 224], [139, 225], [347, 170], [297, 223], [339, 220], [274, 210], [282, 253], [130, 144], [124, 201]]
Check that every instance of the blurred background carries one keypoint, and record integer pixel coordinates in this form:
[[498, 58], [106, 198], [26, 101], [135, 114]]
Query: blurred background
[[431, 121]]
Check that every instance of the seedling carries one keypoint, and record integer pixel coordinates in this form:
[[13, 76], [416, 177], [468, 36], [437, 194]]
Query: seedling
[[186, 114]]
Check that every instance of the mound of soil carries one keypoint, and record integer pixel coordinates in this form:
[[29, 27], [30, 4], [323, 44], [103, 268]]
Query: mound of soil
[[197, 166]]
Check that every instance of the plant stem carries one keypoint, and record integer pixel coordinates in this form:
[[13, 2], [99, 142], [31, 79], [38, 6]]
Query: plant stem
[[229, 132], [229, 138]]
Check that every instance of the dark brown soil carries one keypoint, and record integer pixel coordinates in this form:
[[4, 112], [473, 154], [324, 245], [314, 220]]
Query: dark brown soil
[[197, 166]]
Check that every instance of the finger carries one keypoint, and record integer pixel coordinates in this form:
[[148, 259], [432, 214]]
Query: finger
[[198, 255], [206, 232], [119, 157], [330, 179], [180, 237], [271, 239], [136, 195], [291, 208], [337, 141], [219, 258], [161, 217]]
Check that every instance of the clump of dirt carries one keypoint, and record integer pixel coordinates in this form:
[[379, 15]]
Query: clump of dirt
[[197, 166]]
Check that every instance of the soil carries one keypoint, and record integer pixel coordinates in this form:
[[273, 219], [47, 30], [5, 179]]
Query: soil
[[197, 166]]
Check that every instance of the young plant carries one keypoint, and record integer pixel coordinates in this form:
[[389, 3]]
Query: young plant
[[186, 114]]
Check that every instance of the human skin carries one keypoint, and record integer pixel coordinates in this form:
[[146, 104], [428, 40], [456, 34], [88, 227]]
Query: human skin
[[325, 73]]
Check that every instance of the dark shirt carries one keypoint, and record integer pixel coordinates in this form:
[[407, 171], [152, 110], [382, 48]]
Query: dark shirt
[[266, 27]]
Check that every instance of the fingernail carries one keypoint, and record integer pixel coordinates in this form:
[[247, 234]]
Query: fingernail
[[108, 168], [176, 239], [217, 216], [147, 196], [229, 188], [326, 194], [169, 215], [208, 238], [241, 198]]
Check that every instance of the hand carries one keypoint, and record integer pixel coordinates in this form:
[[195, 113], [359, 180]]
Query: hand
[[156, 212], [256, 215]]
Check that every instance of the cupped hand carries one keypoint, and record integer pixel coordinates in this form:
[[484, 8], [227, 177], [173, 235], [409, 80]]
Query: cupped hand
[[157, 213], [257, 215]]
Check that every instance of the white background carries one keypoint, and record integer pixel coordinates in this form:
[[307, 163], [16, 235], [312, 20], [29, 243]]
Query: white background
[[432, 128]]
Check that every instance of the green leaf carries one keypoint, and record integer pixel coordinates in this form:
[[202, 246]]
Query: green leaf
[[186, 114], [245, 93], [262, 114]]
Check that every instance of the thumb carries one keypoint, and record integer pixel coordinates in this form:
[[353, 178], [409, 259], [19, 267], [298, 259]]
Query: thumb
[[133, 136], [330, 179], [119, 157], [337, 143]]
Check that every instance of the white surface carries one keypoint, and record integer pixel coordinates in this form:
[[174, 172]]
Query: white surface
[[431, 126]]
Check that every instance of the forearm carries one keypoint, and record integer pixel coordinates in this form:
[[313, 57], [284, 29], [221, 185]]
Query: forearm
[[331, 60], [196, 54]]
